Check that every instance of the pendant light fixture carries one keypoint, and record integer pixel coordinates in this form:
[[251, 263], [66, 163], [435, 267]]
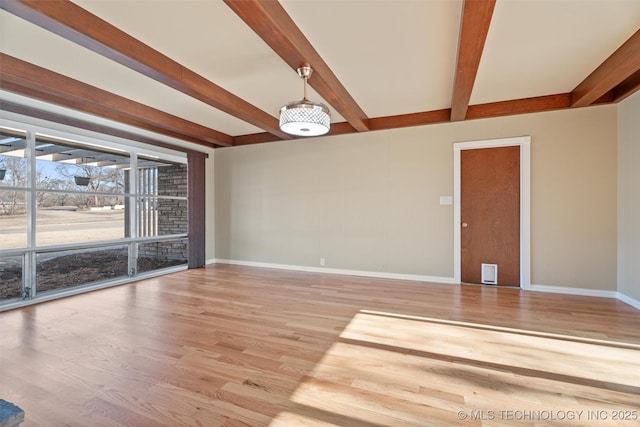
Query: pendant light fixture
[[305, 118]]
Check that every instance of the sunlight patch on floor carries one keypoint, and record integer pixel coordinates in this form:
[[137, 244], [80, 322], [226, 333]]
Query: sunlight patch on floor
[[510, 349], [392, 369]]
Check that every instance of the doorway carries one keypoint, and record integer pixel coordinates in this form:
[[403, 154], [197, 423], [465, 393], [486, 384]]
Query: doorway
[[484, 237]]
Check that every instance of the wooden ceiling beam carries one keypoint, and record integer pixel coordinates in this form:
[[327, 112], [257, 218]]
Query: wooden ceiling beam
[[476, 18], [413, 119], [93, 127], [259, 138], [627, 87], [76, 24], [620, 66], [520, 106], [31, 80], [100, 112], [269, 20]]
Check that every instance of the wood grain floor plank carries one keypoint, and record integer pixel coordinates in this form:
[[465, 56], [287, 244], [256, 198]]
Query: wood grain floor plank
[[238, 346]]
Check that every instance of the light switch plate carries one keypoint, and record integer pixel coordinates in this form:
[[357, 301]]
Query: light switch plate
[[446, 200]]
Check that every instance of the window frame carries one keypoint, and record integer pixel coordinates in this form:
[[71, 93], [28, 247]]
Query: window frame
[[107, 143]]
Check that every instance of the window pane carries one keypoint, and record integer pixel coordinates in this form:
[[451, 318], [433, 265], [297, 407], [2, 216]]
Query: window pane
[[82, 195], [69, 166], [156, 255], [13, 219], [68, 218], [147, 216], [159, 216], [13, 165], [162, 179], [162, 217], [65, 269], [10, 277]]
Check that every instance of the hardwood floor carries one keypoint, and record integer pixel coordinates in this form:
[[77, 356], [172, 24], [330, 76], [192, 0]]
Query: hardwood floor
[[235, 346]]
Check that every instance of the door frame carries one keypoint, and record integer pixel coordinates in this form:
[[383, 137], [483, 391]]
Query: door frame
[[525, 202]]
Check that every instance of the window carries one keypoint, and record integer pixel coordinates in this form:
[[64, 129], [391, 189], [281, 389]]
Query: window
[[77, 212]]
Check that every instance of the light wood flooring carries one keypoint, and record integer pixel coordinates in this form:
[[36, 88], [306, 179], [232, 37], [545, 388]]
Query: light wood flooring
[[238, 346]]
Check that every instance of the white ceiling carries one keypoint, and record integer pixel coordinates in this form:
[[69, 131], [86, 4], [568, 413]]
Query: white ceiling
[[393, 56], [543, 47]]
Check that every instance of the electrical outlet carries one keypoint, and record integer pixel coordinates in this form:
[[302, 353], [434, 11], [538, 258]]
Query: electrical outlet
[[322, 262]]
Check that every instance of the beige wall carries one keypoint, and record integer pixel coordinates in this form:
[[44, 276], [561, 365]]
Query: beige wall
[[370, 201], [629, 197]]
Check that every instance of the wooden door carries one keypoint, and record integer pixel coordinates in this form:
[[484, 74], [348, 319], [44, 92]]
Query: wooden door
[[490, 213]]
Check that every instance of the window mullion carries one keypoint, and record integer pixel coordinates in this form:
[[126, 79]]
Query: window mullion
[[133, 214], [29, 272]]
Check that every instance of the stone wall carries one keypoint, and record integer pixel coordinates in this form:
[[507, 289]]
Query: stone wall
[[172, 215]]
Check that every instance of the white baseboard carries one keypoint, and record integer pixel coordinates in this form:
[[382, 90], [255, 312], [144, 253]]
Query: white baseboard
[[433, 279], [588, 292], [574, 291], [628, 300], [376, 274]]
